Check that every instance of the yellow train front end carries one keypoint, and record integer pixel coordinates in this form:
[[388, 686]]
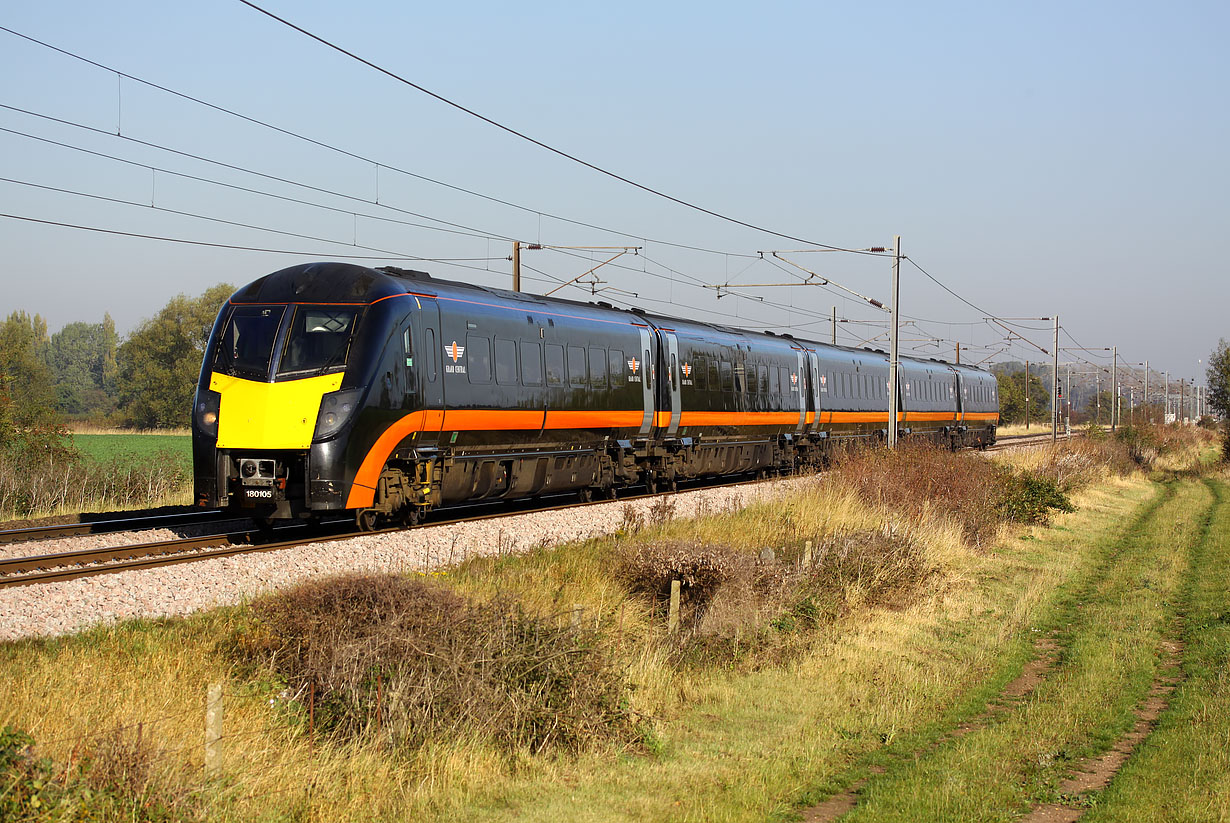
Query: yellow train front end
[[271, 412]]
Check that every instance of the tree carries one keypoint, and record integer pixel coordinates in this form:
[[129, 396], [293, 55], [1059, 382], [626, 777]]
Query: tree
[[1012, 397], [1217, 376], [23, 362], [81, 355], [160, 360]]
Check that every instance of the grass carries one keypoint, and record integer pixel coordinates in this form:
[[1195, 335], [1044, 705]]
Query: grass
[[1109, 632], [112, 472], [1035, 427], [1182, 771], [128, 448], [90, 428], [787, 713]]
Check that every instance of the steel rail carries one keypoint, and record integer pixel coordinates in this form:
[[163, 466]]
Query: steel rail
[[118, 524], [62, 566]]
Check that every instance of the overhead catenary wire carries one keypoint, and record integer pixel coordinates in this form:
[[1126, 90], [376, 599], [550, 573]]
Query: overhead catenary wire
[[234, 167], [379, 164], [353, 155], [460, 229], [541, 144], [476, 233], [237, 224], [186, 241]]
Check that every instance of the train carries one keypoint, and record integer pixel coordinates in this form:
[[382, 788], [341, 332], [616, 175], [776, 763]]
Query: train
[[384, 393]]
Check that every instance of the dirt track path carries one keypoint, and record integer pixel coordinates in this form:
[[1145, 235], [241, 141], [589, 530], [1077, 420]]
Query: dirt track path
[[1057, 735]]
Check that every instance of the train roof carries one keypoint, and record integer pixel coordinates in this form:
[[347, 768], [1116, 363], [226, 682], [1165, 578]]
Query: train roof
[[330, 282]]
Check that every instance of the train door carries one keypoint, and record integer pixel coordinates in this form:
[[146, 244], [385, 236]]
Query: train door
[[671, 386], [813, 389], [795, 389], [642, 363], [962, 398], [427, 367]]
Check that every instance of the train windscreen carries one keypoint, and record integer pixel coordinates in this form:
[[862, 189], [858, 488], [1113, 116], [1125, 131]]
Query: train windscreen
[[246, 347], [319, 339]]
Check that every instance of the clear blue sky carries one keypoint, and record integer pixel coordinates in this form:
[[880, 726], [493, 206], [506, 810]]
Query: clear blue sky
[[1036, 158]]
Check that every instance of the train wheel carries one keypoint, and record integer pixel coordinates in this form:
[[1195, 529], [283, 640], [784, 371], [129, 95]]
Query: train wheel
[[366, 519], [585, 495], [410, 516], [610, 493]]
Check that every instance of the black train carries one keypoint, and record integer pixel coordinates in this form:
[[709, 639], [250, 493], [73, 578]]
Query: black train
[[329, 387]]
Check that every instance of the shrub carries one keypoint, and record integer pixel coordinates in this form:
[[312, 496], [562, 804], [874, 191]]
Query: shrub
[[1029, 498], [111, 778], [417, 662], [736, 606], [46, 478], [700, 570], [918, 477]]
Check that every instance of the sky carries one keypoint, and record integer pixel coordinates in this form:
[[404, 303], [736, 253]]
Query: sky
[[1036, 159]]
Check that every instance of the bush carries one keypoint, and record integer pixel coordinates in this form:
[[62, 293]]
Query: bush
[[700, 570], [44, 476], [111, 779], [918, 477], [418, 663], [736, 606], [1142, 443], [1029, 498]]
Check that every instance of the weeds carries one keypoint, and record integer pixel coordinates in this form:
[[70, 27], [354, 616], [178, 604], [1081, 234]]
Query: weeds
[[739, 607], [111, 779], [418, 664]]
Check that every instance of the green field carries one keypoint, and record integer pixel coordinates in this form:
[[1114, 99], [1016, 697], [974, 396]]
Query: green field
[[135, 448]]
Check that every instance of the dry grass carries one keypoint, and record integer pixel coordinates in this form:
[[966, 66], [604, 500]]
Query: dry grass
[[60, 485], [905, 618], [90, 428], [1100, 456], [412, 663]]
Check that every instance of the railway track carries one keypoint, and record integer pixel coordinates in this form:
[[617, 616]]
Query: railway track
[[119, 524], [61, 566], [1021, 440]]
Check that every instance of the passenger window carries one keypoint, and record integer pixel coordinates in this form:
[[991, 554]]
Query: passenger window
[[674, 375], [505, 362], [555, 365], [647, 369], [728, 380], [774, 384], [577, 373], [531, 363], [700, 374], [762, 377], [478, 358], [714, 383], [597, 368], [615, 358]]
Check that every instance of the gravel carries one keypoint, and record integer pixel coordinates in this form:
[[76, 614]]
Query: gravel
[[61, 608]]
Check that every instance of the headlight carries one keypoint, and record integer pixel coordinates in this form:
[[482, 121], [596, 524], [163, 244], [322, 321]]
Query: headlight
[[205, 411], [335, 409]]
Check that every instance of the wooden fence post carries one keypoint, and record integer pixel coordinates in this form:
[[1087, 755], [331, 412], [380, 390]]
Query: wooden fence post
[[213, 731], [673, 619], [807, 555]]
